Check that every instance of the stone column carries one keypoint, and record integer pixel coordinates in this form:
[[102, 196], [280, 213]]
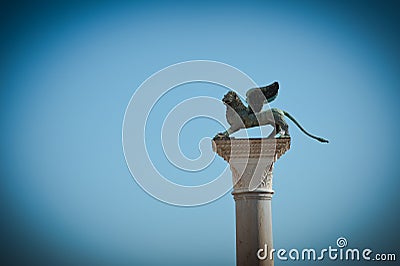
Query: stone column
[[251, 162]]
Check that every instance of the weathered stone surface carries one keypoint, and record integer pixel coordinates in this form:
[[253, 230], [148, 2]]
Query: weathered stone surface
[[251, 161]]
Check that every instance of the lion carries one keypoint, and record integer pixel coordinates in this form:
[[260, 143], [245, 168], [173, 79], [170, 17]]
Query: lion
[[239, 117]]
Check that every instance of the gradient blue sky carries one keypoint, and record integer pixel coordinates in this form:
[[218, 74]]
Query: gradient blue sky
[[68, 70]]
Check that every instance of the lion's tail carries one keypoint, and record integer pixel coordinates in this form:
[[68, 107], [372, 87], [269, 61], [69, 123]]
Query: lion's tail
[[302, 129]]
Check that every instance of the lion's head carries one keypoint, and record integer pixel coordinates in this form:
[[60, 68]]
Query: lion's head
[[231, 98]]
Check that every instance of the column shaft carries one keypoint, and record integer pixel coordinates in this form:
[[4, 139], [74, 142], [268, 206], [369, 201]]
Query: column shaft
[[253, 228]]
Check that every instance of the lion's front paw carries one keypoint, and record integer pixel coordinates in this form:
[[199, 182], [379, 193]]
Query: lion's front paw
[[221, 136]]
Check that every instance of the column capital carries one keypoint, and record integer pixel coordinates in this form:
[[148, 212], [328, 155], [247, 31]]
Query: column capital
[[251, 161]]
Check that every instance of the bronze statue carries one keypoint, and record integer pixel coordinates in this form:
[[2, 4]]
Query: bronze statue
[[239, 116]]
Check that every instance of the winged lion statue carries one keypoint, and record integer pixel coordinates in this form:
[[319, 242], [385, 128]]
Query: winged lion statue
[[240, 116]]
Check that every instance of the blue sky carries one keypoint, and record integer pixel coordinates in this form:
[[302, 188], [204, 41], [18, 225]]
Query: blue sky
[[68, 71]]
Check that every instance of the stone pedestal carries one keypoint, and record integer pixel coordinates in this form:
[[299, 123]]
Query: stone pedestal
[[251, 162]]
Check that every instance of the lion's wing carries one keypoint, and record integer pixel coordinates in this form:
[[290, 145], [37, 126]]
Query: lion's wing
[[256, 97]]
